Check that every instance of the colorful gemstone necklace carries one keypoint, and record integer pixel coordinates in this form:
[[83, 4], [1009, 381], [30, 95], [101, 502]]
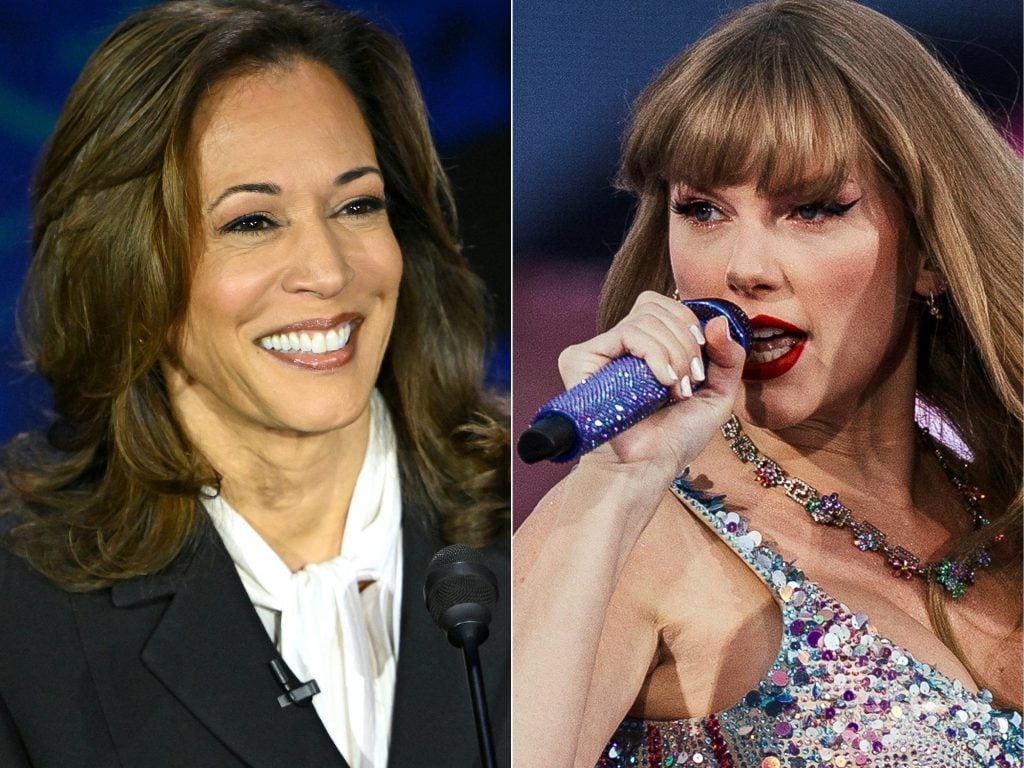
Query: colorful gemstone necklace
[[952, 575]]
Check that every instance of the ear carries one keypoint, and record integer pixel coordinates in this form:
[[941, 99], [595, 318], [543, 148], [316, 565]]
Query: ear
[[928, 282]]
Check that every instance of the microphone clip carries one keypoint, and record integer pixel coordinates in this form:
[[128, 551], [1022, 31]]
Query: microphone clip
[[295, 691]]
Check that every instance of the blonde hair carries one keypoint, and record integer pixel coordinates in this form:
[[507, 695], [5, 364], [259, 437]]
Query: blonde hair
[[795, 94], [112, 492]]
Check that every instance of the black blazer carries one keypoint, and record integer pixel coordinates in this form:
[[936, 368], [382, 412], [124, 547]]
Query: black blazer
[[173, 670]]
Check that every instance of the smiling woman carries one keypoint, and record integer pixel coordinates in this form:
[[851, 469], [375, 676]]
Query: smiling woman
[[267, 419]]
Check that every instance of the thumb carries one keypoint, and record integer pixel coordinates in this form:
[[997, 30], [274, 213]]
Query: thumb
[[726, 358]]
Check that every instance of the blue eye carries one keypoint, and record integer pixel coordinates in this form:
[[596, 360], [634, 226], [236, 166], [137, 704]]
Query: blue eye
[[813, 212], [700, 211], [250, 223], [810, 212]]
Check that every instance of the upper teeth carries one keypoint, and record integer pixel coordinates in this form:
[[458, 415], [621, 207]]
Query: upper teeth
[[314, 342], [766, 333]]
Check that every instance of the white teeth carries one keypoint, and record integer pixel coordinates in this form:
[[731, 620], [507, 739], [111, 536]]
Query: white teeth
[[309, 342], [767, 357], [766, 333]]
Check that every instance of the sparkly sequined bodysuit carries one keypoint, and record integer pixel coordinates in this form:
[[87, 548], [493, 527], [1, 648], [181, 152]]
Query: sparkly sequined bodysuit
[[837, 695]]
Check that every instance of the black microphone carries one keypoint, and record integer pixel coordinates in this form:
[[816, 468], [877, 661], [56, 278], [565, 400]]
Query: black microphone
[[295, 691], [460, 592], [615, 398]]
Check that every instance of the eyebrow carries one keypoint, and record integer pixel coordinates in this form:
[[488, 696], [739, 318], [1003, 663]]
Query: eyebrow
[[267, 188]]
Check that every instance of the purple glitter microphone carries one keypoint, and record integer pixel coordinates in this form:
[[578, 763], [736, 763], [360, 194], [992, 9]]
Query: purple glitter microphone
[[615, 398]]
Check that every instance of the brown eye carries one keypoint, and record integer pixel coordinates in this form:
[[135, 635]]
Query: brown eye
[[363, 206], [251, 223]]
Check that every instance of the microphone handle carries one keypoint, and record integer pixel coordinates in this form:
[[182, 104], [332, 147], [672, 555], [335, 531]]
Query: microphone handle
[[621, 394]]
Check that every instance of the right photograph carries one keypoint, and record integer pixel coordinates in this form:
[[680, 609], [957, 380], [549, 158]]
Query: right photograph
[[767, 376]]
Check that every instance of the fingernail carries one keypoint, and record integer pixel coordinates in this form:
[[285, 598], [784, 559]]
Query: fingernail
[[671, 374], [698, 334], [697, 369], [685, 388]]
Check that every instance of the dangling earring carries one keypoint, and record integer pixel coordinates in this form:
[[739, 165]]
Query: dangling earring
[[933, 307], [675, 294]]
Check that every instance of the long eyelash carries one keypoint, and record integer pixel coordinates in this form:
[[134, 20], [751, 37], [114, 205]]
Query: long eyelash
[[838, 209], [687, 210], [685, 207]]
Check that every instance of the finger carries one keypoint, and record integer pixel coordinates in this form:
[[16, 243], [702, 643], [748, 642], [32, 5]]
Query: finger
[[685, 356], [725, 356], [657, 334], [655, 345], [678, 309], [685, 337], [679, 320], [581, 361]]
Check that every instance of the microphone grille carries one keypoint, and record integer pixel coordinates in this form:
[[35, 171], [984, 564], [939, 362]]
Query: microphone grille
[[454, 553], [457, 574]]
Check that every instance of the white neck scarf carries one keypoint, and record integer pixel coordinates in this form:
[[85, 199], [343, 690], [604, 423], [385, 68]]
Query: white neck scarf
[[324, 627]]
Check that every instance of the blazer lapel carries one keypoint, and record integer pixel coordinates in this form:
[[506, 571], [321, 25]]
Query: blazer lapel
[[180, 661], [210, 651]]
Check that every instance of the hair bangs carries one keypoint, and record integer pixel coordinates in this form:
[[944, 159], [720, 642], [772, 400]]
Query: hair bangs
[[778, 116]]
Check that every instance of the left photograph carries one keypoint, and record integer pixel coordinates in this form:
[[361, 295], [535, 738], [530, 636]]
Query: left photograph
[[254, 372]]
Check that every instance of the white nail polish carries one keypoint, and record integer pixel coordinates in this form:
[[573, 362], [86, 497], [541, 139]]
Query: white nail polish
[[698, 334], [697, 369], [685, 387], [672, 374]]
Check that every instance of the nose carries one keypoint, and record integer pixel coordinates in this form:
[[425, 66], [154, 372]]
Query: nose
[[320, 260], [753, 269]]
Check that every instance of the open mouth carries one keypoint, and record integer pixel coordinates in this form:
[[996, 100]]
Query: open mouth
[[315, 345], [775, 347], [310, 341]]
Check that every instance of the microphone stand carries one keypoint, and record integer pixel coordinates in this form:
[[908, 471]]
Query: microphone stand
[[459, 593], [475, 676]]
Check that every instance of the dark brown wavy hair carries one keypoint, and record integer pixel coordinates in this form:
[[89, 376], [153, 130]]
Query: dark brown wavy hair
[[110, 492], [790, 90]]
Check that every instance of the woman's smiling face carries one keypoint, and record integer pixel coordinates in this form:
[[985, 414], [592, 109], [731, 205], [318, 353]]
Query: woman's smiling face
[[293, 295], [826, 283]]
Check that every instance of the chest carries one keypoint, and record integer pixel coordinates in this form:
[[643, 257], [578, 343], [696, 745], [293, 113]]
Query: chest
[[723, 637]]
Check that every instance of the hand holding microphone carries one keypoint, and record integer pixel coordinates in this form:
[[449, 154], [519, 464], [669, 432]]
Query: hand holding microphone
[[662, 351]]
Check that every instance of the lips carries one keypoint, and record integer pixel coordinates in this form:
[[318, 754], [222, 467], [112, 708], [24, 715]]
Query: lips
[[319, 344], [775, 347]]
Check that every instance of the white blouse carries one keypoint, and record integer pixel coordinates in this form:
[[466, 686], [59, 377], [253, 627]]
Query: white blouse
[[323, 625]]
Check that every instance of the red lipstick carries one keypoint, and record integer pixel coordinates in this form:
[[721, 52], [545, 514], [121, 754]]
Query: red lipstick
[[792, 339]]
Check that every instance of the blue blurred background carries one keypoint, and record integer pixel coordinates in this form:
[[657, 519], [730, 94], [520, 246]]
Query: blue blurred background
[[461, 51], [577, 67]]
